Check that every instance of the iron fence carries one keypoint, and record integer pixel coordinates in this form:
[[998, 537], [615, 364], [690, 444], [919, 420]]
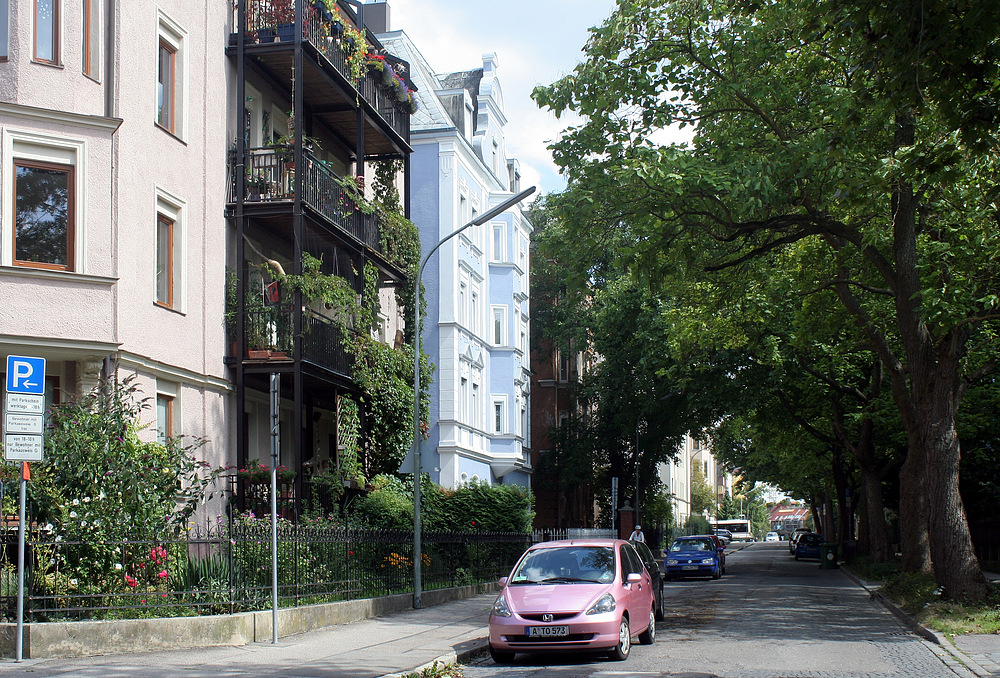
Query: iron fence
[[227, 569]]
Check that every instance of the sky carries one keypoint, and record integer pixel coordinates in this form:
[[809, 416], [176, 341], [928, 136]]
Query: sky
[[535, 43]]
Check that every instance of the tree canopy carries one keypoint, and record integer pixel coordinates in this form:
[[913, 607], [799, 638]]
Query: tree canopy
[[843, 156]]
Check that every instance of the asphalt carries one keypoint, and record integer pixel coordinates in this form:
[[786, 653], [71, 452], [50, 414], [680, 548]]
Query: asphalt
[[397, 645]]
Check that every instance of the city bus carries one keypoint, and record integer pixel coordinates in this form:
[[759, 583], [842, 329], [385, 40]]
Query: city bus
[[739, 527]]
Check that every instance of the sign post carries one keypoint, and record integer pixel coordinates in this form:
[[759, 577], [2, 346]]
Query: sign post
[[23, 441]]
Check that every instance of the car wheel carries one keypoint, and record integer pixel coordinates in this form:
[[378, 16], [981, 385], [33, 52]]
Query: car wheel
[[501, 657], [718, 573], [659, 604], [649, 635], [620, 651]]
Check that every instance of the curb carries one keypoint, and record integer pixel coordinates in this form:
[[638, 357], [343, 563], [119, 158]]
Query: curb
[[477, 647], [953, 657]]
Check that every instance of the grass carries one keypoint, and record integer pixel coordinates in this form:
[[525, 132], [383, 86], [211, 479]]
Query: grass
[[436, 670], [920, 597]]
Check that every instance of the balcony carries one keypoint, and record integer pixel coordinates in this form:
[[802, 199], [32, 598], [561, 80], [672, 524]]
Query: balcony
[[269, 337], [333, 41], [271, 179]]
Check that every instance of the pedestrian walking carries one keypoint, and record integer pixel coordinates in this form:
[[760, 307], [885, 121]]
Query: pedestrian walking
[[637, 534]]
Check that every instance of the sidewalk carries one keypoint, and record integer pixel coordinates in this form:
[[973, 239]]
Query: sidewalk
[[384, 646], [977, 654]]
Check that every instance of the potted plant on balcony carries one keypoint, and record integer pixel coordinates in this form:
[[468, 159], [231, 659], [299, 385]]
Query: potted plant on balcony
[[256, 185]]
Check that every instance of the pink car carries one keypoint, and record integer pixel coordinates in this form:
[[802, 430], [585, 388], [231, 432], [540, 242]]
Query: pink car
[[577, 594]]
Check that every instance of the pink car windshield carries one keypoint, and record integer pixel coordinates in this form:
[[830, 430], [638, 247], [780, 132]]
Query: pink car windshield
[[566, 565]]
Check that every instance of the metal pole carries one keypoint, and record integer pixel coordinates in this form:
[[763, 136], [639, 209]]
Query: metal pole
[[275, 451], [19, 641], [417, 544]]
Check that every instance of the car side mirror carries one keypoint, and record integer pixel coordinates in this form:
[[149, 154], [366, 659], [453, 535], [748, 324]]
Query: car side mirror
[[502, 581], [633, 577]]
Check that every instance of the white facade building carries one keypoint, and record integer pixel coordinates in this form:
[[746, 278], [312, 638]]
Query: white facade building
[[476, 286]]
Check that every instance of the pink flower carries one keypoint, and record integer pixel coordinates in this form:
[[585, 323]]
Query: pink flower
[[130, 581], [163, 574]]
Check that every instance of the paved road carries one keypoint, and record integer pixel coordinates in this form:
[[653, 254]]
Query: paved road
[[769, 617]]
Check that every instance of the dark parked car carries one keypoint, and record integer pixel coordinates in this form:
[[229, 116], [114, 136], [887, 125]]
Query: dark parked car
[[807, 546], [799, 531], [655, 573], [697, 556], [725, 535]]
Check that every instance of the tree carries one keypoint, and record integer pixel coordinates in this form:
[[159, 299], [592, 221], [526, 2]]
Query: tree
[[702, 495], [804, 139]]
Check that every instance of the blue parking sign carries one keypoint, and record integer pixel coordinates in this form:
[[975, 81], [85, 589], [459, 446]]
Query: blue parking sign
[[25, 375]]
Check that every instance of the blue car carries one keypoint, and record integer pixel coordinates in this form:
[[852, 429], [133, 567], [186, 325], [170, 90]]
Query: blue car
[[694, 557], [808, 545]]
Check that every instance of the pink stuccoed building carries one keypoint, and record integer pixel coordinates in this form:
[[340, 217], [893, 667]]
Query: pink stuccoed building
[[125, 222]]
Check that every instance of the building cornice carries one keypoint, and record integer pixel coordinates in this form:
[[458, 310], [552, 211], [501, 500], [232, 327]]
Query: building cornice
[[145, 364], [99, 122]]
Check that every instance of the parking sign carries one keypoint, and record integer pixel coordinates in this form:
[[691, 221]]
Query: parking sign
[[23, 433]]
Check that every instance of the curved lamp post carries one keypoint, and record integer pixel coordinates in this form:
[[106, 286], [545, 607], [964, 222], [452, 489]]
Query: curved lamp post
[[499, 209]]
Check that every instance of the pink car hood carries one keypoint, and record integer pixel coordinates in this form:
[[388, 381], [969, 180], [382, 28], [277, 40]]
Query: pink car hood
[[538, 598]]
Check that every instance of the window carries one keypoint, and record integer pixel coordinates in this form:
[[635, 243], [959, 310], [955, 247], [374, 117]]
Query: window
[[462, 287], [44, 218], [166, 410], [168, 240], [499, 325], [563, 367], [474, 406], [46, 35], [4, 28], [499, 244], [91, 37], [164, 260], [166, 86], [474, 311], [498, 416], [170, 70], [465, 400], [164, 418]]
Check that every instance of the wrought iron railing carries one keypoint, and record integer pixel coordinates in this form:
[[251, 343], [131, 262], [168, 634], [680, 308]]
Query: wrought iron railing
[[270, 21], [227, 569], [270, 176]]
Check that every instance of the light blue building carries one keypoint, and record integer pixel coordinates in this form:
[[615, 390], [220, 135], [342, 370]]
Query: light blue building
[[476, 286]]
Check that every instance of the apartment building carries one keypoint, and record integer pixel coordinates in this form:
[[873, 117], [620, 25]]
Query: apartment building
[[148, 156], [477, 323]]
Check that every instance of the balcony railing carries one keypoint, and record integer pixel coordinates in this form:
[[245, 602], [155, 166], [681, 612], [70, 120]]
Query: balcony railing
[[271, 177], [269, 21], [269, 336]]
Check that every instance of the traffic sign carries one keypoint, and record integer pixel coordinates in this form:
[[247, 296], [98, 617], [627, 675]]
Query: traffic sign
[[22, 447], [25, 374], [24, 409], [22, 423], [25, 403]]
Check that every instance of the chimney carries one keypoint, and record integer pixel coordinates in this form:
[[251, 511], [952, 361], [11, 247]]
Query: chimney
[[377, 17]]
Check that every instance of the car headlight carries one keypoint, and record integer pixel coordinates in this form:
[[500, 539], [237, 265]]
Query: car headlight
[[707, 561], [605, 603], [672, 561], [500, 608]]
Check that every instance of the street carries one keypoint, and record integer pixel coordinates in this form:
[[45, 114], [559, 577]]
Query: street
[[769, 617]]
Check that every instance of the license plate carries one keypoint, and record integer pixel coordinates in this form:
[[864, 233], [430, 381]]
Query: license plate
[[546, 631], [690, 567]]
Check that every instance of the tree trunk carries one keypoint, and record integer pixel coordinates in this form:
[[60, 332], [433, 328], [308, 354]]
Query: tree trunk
[[914, 536], [956, 567], [930, 403], [871, 491]]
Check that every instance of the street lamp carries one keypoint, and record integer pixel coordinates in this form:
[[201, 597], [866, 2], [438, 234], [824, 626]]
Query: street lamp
[[499, 209]]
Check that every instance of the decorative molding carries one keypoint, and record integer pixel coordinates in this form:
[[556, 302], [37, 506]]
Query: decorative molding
[[65, 117]]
